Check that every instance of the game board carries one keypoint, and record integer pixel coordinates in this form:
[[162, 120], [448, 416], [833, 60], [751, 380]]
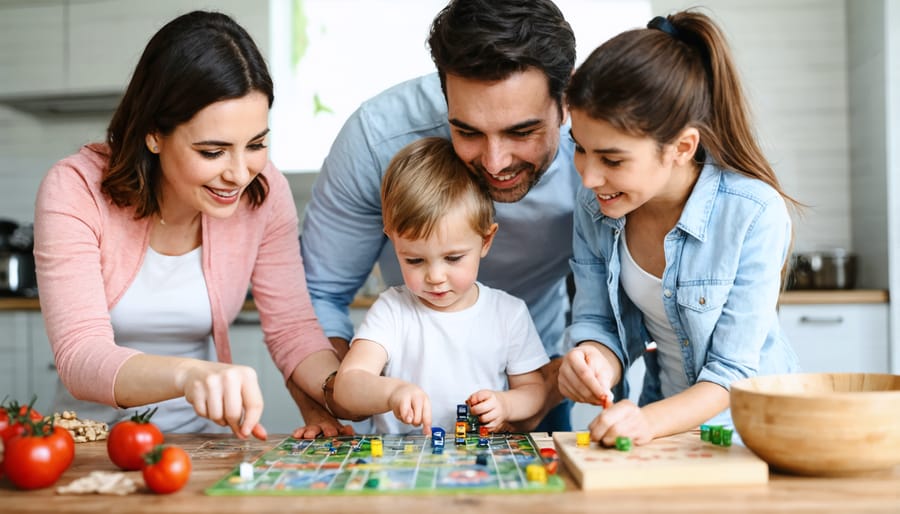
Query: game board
[[679, 460], [345, 466]]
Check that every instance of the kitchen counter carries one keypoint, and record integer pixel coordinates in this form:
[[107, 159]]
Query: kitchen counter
[[787, 297], [874, 493]]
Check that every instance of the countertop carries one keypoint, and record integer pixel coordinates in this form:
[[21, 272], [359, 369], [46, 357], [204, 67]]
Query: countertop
[[783, 493], [787, 298]]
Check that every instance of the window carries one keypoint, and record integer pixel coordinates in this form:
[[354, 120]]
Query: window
[[328, 56]]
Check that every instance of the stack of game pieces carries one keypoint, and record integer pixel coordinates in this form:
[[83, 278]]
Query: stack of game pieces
[[716, 434]]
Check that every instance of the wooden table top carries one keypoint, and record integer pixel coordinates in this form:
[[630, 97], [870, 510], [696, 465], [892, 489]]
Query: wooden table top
[[874, 493]]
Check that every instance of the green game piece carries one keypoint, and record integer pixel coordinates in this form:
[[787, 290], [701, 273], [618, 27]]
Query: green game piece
[[371, 483], [704, 432], [623, 444], [726, 436], [715, 434]]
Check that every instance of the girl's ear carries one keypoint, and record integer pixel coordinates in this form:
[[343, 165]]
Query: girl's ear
[[686, 145], [488, 239]]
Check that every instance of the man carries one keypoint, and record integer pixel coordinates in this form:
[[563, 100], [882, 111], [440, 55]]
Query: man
[[498, 95]]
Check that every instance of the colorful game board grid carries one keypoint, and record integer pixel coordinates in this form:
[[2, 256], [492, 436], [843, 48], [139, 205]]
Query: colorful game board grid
[[345, 466]]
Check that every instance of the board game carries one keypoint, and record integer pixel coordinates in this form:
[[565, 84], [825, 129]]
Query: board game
[[679, 460], [408, 464]]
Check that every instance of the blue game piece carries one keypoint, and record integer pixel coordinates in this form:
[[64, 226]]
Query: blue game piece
[[481, 459], [361, 461]]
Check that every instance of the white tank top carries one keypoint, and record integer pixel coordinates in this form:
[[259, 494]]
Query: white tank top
[[645, 291], [165, 311]]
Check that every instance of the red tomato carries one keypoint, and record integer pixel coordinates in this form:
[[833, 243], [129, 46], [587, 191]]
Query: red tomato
[[128, 441], [13, 425], [168, 469], [39, 457]]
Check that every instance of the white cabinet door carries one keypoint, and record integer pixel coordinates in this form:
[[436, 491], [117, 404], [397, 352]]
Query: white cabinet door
[[107, 37], [31, 48], [838, 338], [43, 378], [280, 414], [14, 364]]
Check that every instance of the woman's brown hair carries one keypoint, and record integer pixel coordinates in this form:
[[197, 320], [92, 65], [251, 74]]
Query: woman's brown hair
[[193, 61]]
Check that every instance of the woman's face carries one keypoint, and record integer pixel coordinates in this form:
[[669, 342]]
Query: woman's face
[[208, 161]]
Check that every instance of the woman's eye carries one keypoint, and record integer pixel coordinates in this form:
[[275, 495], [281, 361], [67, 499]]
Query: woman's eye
[[211, 154], [257, 146]]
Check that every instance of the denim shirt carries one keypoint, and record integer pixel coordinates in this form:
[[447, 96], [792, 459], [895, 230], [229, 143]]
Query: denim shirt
[[342, 235], [720, 285]]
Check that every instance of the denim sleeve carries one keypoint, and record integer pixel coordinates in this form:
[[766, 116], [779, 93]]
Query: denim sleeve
[[750, 310], [342, 232], [593, 318]]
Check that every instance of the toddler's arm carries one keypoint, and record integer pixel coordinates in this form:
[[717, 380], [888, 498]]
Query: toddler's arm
[[523, 400]]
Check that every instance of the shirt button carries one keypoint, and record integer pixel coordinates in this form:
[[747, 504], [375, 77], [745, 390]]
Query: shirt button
[[616, 232], [702, 300], [667, 293], [686, 342]]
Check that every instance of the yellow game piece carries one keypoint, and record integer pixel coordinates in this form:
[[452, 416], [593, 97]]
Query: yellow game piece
[[583, 438], [409, 448], [377, 448], [536, 473]]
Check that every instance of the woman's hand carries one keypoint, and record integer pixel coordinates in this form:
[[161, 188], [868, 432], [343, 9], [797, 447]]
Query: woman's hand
[[227, 394], [587, 374]]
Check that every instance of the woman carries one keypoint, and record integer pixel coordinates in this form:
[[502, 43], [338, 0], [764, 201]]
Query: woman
[[146, 245]]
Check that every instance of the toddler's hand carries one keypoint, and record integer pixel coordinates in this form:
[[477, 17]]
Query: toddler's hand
[[490, 409], [410, 404]]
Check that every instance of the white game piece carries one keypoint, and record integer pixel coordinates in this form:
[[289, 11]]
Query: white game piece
[[246, 471]]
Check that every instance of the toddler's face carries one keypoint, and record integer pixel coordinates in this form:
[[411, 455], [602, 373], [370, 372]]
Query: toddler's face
[[441, 269]]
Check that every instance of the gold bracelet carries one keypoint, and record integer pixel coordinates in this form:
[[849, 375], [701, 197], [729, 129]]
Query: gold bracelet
[[326, 388]]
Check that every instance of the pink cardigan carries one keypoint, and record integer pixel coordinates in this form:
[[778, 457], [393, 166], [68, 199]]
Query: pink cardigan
[[88, 251]]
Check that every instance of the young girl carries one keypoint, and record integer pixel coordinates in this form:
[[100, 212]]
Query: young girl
[[681, 234], [442, 338]]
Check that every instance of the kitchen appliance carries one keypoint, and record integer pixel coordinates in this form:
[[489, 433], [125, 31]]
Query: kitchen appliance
[[829, 269], [17, 273]]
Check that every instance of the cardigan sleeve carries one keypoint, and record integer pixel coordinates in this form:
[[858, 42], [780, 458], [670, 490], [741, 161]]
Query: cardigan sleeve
[[290, 327], [68, 230]]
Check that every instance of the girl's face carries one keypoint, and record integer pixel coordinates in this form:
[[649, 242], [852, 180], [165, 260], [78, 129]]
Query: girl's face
[[623, 171], [441, 269], [208, 161]]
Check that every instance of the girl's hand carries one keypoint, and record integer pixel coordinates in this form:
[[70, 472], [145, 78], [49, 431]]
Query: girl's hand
[[227, 394], [623, 419], [490, 409], [410, 404], [586, 376]]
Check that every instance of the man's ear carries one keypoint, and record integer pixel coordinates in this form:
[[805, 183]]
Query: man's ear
[[488, 239]]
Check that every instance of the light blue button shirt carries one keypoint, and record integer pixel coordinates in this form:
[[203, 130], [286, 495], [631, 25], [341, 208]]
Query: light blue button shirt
[[342, 235], [720, 285]]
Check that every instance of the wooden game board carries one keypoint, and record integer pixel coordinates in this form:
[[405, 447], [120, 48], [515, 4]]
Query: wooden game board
[[679, 460], [344, 465]]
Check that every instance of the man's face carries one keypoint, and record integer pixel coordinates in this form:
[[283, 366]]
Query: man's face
[[506, 131]]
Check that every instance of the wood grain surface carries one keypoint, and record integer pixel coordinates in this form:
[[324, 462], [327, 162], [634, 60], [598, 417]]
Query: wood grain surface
[[875, 493]]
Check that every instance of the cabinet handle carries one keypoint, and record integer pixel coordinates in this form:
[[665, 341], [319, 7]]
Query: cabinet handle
[[836, 320]]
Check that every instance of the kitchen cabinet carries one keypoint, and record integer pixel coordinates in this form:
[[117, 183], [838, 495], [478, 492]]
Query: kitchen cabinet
[[59, 47], [26, 368], [31, 47], [838, 337]]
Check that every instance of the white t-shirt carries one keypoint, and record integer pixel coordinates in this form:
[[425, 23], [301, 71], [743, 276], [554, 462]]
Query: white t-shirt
[[451, 354], [645, 291], [165, 311]]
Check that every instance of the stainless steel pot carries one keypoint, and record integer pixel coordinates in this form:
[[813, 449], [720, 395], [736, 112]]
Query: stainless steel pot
[[832, 269], [17, 276]]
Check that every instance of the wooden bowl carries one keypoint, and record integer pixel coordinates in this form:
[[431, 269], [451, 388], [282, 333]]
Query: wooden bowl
[[820, 424]]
